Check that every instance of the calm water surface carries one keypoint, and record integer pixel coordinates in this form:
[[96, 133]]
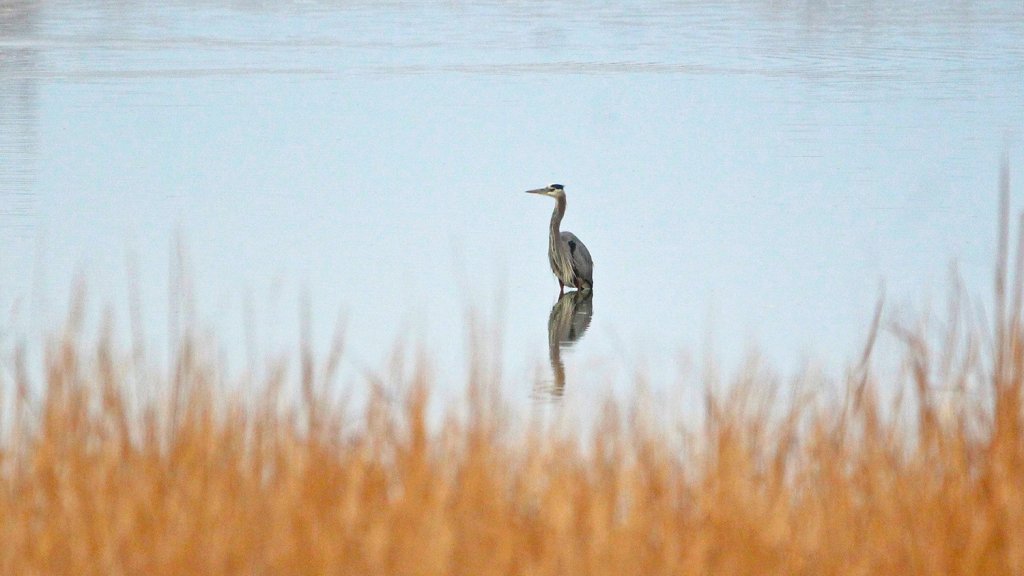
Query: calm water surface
[[745, 173]]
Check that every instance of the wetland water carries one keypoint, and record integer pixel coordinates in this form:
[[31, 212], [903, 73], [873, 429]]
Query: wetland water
[[745, 173]]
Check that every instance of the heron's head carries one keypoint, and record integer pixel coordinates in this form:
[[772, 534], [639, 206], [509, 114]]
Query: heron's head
[[553, 190]]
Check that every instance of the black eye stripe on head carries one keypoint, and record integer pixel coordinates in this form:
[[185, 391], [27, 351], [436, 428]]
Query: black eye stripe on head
[[557, 186]]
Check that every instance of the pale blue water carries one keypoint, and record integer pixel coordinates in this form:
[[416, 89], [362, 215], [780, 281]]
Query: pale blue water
[[744, 173]]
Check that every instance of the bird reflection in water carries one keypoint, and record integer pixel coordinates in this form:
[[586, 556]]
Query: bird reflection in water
[[569, 319]]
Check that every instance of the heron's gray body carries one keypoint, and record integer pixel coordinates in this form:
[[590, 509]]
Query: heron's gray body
[[569, 258]]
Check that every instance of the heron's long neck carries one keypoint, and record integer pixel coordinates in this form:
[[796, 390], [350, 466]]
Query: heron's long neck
[[556, 220]]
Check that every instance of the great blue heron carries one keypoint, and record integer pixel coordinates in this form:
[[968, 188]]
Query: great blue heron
[[570, 260]]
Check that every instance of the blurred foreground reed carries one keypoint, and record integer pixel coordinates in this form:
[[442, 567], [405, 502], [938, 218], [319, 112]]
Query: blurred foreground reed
[[97, 477]]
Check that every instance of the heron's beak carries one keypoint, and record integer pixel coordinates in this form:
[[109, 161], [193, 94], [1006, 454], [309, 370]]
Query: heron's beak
[[538, 191]]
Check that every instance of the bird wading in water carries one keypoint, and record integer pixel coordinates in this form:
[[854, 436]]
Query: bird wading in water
[[570, 260]]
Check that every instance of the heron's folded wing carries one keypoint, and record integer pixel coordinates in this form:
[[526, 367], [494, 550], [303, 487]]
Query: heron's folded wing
[[582, 264]]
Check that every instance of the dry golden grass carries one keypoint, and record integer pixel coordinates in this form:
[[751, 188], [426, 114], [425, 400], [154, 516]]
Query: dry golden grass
[[94, 483], [97, 477]]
